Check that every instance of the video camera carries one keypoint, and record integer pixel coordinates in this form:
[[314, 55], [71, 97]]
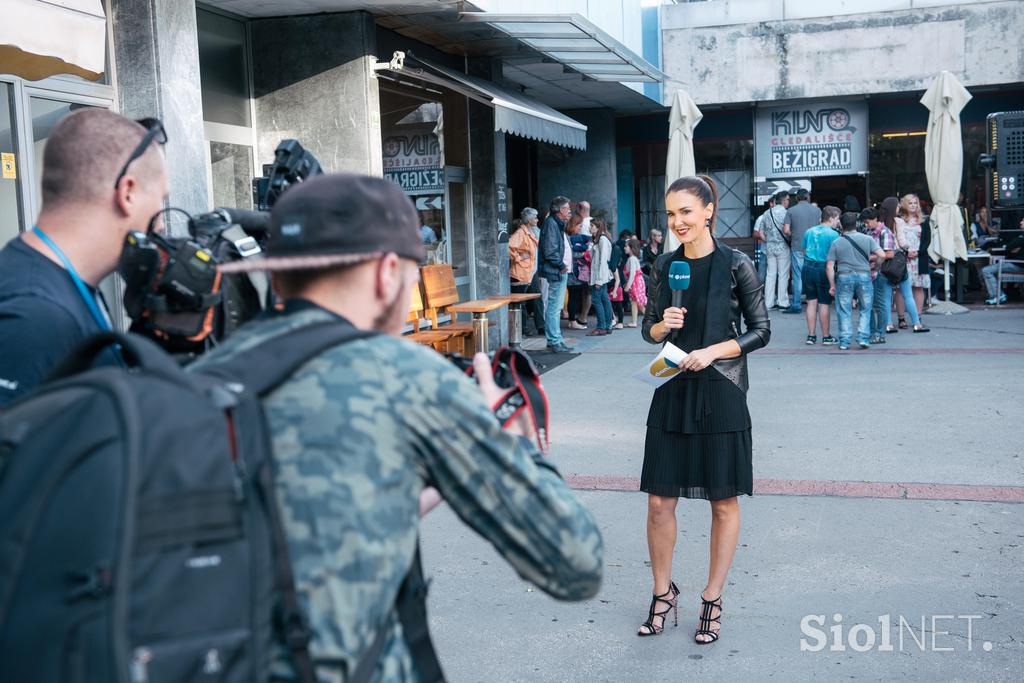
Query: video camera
[[174, 292], [515, 372]]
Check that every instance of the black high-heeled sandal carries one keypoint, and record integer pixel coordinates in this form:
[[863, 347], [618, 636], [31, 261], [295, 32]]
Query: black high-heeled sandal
[[670, 598], [704, 626], [903, 323]]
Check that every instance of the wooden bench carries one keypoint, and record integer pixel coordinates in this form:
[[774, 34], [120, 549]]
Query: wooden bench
[[437, 339], [440, 292]]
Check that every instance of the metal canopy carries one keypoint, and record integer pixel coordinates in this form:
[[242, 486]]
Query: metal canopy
[[513, 112], [575, 42]]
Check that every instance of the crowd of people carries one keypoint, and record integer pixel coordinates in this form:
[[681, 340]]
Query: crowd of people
[[572, 260], [865, 258], [873, 261], [901, 222]]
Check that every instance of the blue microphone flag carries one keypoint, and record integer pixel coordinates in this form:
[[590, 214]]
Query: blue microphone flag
[[679, 275]]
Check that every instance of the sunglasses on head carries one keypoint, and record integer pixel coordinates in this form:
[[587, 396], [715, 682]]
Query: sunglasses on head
[[154, 131]]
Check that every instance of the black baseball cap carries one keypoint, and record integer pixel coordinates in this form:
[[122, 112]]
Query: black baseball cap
[[337, 219]]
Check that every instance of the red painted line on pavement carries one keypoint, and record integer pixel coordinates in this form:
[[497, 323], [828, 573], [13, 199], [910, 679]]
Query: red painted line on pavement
[[842, 489], [875, 350]]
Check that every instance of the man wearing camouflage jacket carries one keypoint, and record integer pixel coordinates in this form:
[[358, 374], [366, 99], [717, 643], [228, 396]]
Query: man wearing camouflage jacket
[[366, 429]]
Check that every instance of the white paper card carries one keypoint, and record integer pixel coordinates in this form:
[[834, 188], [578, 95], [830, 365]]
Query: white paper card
[[664, 367]]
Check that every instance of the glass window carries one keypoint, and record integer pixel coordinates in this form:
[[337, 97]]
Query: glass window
[[223, 69], [232, 172], [10, 198], [45, 116]]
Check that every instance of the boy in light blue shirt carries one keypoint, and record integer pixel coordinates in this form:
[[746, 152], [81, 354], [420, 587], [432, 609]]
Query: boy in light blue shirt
[[816, 244]]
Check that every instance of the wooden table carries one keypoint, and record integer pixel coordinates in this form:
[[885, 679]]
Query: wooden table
[[479, 308], [515, 306]]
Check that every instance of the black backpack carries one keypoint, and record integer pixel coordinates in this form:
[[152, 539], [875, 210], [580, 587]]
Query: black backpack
[[140, 537]]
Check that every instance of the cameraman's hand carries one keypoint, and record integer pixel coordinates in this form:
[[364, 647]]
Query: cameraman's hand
[[493, 393], [430, 498]]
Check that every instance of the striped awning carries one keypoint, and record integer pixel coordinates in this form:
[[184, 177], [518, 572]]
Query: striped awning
[[514, 113]]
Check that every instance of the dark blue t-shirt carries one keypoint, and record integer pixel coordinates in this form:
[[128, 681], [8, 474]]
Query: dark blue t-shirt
[[42, 318]]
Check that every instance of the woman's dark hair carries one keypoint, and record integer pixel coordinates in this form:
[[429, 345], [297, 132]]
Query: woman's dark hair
[[887, 212], [602, 229], [634, 246], [703, 188]]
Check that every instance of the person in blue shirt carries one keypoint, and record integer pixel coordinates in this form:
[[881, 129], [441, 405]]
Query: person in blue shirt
[[816, 243], [103, 176]]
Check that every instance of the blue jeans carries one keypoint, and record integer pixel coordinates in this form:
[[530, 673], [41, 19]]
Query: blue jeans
[[603, 306], [796, 269], [848, 286], [989, 273], [762, 264], [881, 307], [553, 312], [908, 303]]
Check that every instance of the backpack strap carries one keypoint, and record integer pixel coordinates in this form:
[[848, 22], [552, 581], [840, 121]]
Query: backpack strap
[[412, 612], [264, 367], [135, 350], [857, 247]]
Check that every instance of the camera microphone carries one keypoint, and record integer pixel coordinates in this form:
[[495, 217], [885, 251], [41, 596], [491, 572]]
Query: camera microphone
[[253, 222]]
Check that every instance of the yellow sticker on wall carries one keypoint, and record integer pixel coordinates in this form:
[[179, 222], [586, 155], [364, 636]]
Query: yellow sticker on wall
[[10, 168]]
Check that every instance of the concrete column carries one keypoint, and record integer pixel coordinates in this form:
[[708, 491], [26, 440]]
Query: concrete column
[[313, 81], [156, 52], [487, 170], [589, 175]]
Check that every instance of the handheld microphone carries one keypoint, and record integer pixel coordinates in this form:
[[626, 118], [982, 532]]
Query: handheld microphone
[[678, 281]]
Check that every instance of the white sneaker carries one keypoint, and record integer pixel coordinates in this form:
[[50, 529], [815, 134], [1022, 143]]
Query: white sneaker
[[576, 326], [617, 326]]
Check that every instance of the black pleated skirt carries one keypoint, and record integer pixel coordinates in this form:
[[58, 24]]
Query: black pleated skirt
[[698, 441]]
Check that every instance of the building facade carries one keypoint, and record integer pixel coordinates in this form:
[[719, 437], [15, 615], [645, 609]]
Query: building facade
[[476, 109], [825, 95]]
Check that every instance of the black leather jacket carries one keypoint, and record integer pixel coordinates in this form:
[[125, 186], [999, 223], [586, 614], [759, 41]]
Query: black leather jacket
[[735, 291]]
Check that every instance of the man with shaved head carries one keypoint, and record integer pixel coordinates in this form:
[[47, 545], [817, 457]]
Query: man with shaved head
[[103, 176]]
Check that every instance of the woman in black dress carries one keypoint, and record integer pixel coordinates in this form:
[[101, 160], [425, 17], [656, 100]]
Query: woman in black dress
[[698, 428]]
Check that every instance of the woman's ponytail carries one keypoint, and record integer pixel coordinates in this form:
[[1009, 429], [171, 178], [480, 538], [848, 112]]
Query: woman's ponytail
[[714, 199]]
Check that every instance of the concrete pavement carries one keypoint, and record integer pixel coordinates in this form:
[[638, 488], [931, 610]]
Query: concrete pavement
[[842, 522]]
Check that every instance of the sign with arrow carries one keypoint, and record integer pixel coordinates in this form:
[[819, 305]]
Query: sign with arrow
[[426, 203]]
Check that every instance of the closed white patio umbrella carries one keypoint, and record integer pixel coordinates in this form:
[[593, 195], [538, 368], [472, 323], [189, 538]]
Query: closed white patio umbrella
[[683, 118], [944, 163]]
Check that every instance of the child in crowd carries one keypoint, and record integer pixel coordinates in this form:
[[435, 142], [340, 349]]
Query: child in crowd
[[635, 284]]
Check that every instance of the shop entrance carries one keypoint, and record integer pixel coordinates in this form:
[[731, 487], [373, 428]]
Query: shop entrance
[[847, 192]]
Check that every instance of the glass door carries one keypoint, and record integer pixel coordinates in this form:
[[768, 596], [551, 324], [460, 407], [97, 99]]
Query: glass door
[[459, 230], [12, 213]]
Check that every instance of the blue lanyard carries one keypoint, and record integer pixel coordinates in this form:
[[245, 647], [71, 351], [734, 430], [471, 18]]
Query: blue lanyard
[[86, 294]]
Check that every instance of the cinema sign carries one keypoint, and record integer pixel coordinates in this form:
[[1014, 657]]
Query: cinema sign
[[818, 139]]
